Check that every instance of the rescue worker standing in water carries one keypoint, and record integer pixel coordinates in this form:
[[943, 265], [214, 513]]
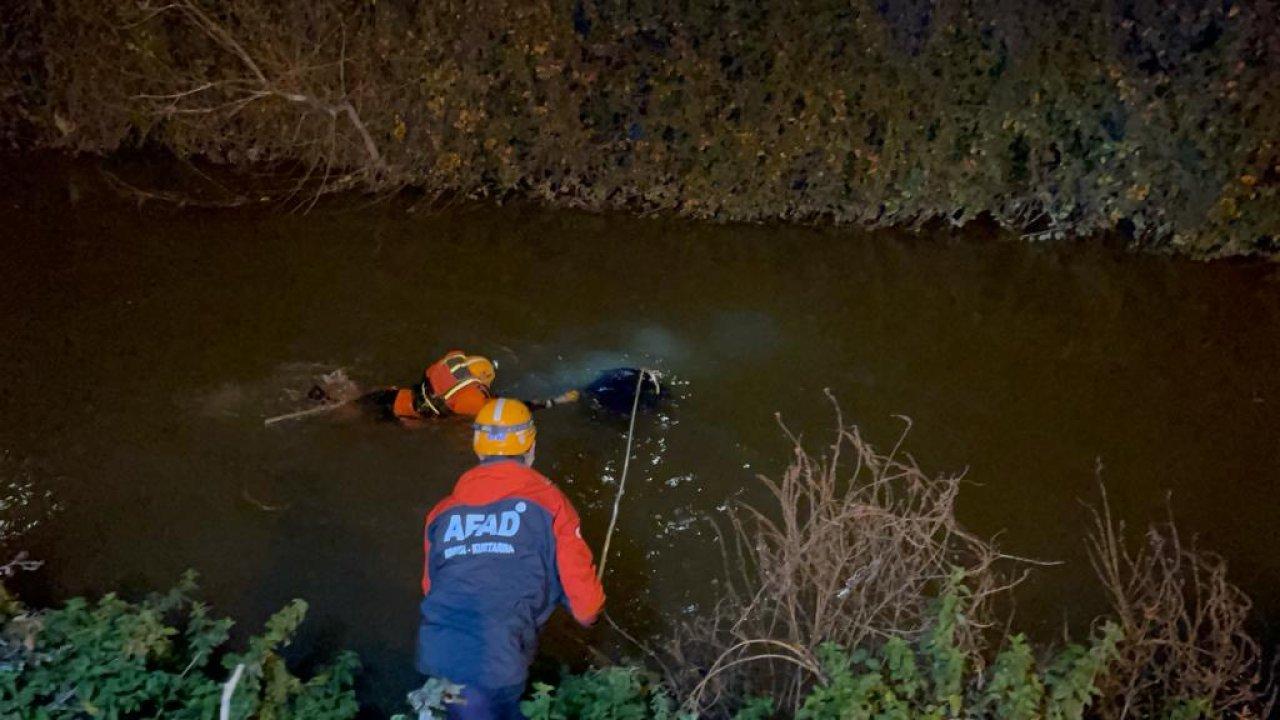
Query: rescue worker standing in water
[[501, 552]]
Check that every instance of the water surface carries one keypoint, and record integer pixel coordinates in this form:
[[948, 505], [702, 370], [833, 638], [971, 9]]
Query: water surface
[[142, 348]]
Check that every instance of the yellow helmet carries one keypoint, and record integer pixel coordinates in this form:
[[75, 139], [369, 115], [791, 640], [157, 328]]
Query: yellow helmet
[[503, 427], [482, 369]]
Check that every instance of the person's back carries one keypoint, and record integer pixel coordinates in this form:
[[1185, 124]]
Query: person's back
[[456, 384], [501, 551]]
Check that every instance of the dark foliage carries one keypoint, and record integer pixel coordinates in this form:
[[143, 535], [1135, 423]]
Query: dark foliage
[[1161, 119]]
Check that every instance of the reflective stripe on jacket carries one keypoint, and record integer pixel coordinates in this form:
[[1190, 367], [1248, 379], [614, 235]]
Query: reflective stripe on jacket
[[448, 387], [500, 553]]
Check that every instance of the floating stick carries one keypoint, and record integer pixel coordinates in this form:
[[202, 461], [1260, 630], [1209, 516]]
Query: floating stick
[[305, 413]]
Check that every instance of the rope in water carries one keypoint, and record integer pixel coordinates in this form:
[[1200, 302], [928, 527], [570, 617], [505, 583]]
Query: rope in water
[[622, 480]]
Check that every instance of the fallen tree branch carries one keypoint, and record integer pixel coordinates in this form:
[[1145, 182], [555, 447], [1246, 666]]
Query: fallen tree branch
[[264, 81], [19, 563]]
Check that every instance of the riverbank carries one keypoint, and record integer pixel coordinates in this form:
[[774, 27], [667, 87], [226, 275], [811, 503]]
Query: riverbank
[[1157, 123]]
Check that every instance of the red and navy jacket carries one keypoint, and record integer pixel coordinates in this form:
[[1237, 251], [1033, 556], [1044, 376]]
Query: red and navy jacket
[[500, 553]]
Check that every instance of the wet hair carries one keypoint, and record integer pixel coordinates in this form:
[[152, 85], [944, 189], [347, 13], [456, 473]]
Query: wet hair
[[614, 390]]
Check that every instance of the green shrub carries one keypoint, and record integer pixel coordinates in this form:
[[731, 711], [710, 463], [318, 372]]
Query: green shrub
[[935, 679], [163, 657], [612, 693], [900, 680], [1053, 118]]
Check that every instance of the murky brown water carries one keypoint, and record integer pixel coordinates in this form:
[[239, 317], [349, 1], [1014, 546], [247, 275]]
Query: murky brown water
[[142, 348]]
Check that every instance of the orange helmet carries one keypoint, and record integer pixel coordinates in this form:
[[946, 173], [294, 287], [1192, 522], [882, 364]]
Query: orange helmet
[[482, 369], [504, 427]]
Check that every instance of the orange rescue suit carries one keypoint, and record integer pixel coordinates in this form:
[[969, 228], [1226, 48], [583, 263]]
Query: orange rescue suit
[[447, 388]]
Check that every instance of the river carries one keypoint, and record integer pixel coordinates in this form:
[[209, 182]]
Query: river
[[143, 346]]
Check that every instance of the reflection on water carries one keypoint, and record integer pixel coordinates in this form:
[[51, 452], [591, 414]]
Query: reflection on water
[[26, 499], [143, 348]]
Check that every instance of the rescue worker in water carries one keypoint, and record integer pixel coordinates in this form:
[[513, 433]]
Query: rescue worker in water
[[501, 552], [456, 384]]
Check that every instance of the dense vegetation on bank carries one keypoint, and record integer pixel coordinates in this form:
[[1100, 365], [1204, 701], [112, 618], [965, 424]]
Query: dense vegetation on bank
[[165, 656], [857, 595], [1161, 120]]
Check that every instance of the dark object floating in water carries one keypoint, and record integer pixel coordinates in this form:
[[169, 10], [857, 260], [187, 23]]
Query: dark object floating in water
[[615, 390]]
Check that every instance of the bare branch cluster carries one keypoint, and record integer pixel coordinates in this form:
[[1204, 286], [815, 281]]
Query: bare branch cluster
[[1185, 640], [308, 74], [856, 549]]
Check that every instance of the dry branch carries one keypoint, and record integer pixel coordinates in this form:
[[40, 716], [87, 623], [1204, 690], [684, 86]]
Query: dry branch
[[264, 70], [20, 563], [1185, 641], [854, 550]]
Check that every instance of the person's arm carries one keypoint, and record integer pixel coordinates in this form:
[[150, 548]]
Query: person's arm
[[562, 399], [583, 592]]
